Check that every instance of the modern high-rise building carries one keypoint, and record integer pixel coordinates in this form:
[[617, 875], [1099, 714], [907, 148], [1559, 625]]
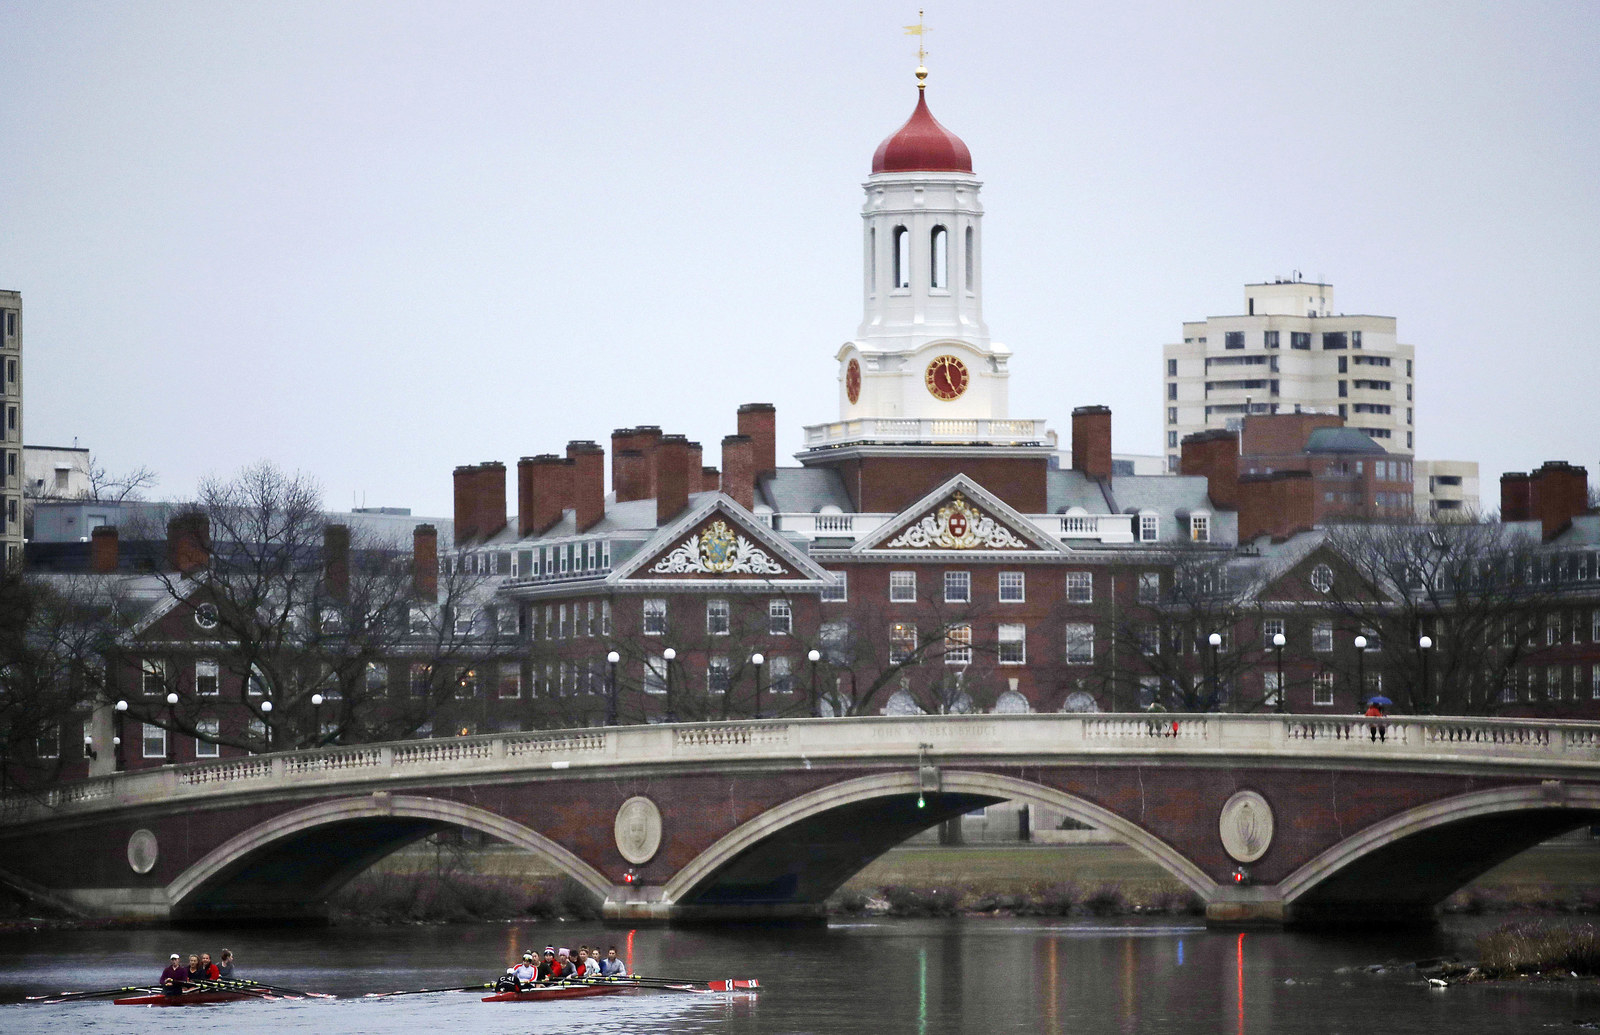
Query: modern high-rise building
[[11, 430], [1289, 353]]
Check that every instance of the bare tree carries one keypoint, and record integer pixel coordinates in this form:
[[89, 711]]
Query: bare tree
[[119, 487]]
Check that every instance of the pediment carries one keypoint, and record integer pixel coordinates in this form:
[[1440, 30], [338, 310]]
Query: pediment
[[721, 541], [959, 516]]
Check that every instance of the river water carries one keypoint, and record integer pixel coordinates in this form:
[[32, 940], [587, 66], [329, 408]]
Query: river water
[[850, 978]]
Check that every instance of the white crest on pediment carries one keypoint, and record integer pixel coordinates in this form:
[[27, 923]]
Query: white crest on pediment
[[717, 550], [958, 525]]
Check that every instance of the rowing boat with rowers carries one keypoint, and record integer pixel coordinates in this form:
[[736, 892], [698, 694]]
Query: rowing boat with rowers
[[195, 997], [544, 993]]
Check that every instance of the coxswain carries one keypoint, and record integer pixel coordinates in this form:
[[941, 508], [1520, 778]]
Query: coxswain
[[611, 966], [175, 977], [526, 972]]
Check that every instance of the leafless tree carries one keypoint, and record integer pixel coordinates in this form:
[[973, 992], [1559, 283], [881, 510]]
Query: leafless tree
[[118, 487]]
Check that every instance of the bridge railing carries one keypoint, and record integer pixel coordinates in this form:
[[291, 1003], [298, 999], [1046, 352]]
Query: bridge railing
[[874, 740]]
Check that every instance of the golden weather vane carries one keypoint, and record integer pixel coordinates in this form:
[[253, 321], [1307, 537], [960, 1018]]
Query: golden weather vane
[[920, 31]]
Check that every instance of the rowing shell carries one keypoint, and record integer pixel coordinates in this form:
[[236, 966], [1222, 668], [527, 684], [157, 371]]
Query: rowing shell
[[539, 995], [191, 998]]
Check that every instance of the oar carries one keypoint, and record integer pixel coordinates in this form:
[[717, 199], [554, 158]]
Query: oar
[[428, 991], [61, 997], [243, 985], [723, 985]]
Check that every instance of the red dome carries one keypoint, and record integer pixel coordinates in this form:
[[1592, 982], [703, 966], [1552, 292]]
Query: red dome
[[922, 145]]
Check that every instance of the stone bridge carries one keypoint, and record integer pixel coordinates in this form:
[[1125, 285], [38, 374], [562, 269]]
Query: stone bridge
[[1270, 819]]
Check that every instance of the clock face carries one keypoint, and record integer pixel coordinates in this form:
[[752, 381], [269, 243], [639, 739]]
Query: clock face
[[946, 378], [852, 382]]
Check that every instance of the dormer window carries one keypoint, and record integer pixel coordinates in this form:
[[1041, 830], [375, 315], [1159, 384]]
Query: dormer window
[[1149, 526], [1200, 528]]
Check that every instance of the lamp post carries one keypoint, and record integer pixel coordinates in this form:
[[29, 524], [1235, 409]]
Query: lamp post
[[612, 657], [117, 714], [757, 659], [1424, 645], [814, 656], [1278, 641], [316, 720], [266, 722], [1361, 670], [172, 728], [667, 657], [1215, 640]]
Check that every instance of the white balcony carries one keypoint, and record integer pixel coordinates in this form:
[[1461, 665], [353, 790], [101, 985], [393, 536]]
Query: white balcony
[[940, 432]]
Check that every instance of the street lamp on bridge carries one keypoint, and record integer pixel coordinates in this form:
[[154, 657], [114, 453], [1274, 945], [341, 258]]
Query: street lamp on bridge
[[1278, 641], [612, 657], [814, 656], [758, 659], [266, 722], [1424, 645], [117, 714], [1361, 670], [316, 720], [172, 728], [667, 657], [1215, 640]]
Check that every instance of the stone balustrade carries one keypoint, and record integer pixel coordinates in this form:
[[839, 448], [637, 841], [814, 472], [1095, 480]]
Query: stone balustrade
[[1569, 749]]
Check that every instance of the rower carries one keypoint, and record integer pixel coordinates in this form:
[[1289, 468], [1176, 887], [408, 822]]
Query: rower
[[196, 975], [175, 976], [209, 969], [225, 965], [548, 971], [611, 966]]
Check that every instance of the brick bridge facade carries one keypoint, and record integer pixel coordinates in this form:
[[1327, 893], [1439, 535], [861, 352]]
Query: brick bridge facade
[[1270, 819]]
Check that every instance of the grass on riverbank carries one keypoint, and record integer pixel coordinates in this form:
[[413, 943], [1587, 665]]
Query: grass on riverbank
[[1537, 946]]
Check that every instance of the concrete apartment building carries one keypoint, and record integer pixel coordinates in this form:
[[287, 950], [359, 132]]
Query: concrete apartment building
[[1447, 489], [1289, 353], [11, 429]]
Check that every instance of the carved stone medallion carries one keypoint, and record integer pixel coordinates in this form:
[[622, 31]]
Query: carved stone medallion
[[142, 850], [638, 830], [1246, 826]]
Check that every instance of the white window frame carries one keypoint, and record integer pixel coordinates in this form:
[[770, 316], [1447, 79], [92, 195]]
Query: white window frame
[[1322, 689], [505, 618], [207, 748], [377, 678], [902, 587], [1080, 587], [902, 645], [1271, 627], [1322, 637], [1322, 578], [718, 663], [1149, 587], [1011, 644], [151, 733], [655, 674], [1080, 643], [514, 671], [838, 591], [153, 669], [207, 668], [958, 645], [1149, 527], [958, 587], [780, 679], [653, 620], [1200, 528], [780, 617], [719, 617], [1013, 587]]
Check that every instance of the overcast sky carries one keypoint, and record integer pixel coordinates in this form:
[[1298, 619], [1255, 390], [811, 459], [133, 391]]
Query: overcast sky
[[372, 241]]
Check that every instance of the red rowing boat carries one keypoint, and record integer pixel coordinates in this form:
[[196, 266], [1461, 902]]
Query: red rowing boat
[[543, 993], [197, 998]]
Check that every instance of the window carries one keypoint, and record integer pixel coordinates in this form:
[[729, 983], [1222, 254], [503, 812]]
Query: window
[[1322, 689], [717, 619], [256, 685], [1269, 339], [971, 270], [153, 678], [718, 676], [902, 642], [957, 587], [377, 678], [1233, 339], [939, 259], [902, 587], [421, 679], [1148, 637], [1322, 637], [1149, 587], [465, 621], [902, 258], [467, 685], [205, 616], [1374, 641], [1013, 588], [205, 743], [48, 745], [1080, 643], [605, 618], [1335, 340], [155, 741], [780, 618], [1200, 528], [655, 674], [1172, 391], [1269, 689], [505, 621], [1270, 628], [655, 617], [839, 590], [1552, 630], [1322, 578], [510, 682], [1172, 415], [1172, 368], [1080, 587], [958, 645], [1299, 339], [1594, 626], [1594, 683], [1150, 524], [781, 674], [1013, 645], [205, 678]]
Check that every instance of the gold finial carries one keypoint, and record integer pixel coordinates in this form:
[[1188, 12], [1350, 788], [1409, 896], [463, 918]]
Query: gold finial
[[920, 31]]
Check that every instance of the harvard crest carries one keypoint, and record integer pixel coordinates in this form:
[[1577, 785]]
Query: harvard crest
[[958, 525], [717, 550]]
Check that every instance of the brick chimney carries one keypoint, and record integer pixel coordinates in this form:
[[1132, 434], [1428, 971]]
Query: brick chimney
[[1214, 456], [760, 422], [672, 478], [710, 479], [1278, 504], [1516, 496], [188, 542], [336, 560], [738, 470], [692, 465], [491, 498], [588, 474], [103, 549], [465, 500], [425, 561], [647, 439], [628, 475], [621, 442], [1091, 441], [543, 484], [1560, 492]]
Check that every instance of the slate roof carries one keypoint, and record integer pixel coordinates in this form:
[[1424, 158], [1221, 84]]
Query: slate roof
[[803, 490], [1342, 440]]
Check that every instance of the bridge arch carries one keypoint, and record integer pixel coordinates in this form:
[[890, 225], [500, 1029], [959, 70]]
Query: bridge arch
[[871, 798], [1403, 866], [329, 843]]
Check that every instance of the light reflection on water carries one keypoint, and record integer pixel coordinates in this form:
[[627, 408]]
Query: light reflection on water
[[929, 977]]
